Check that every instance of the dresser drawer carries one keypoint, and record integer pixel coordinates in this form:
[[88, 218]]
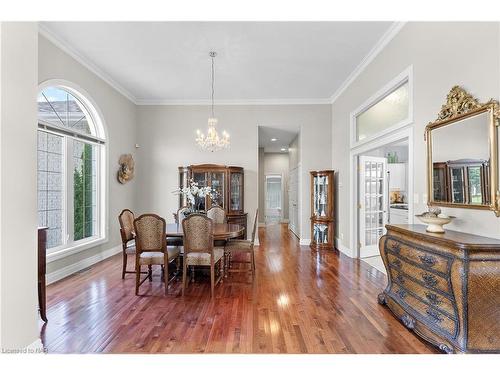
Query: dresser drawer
[[426, 259], [431, 297], [425, 313], [428, 279]]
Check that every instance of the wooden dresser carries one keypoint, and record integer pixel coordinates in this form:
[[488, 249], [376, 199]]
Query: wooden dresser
[[444, 287]]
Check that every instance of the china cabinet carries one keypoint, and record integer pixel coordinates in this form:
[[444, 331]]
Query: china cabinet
[[227, 181], [322, 210]]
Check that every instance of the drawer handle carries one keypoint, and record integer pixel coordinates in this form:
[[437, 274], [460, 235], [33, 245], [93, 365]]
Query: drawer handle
[[429, 280], [401, 293], [396, 247], [433, 298], [400, 279], [396, 263], [428, 260], [436, 317]]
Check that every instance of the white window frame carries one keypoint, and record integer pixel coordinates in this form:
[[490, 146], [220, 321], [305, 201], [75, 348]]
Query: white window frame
[[394, 84], [100, 140]]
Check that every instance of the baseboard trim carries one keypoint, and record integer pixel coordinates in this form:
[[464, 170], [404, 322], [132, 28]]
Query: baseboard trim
[[285, 221], [84, 263], [343, 249], [262, 225], [305, 241]]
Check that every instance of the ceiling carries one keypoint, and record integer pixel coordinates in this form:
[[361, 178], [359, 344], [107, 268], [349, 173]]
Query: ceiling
[[168, 62], [283, 139]]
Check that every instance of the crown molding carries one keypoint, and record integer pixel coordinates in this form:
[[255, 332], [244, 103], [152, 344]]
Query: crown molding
[[63, 45], [234, 102], [393, 30]]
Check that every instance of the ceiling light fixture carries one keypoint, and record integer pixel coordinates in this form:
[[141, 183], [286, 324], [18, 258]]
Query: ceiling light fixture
[[283, 149], [274, 139], [212, 141]]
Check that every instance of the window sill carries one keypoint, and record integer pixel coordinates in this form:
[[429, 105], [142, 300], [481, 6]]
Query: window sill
[[75, 248]]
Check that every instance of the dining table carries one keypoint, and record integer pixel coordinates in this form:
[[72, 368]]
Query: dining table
[[220, 231]]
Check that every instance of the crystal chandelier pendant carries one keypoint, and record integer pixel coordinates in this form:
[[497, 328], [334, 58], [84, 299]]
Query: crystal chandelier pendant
[[212, 141]]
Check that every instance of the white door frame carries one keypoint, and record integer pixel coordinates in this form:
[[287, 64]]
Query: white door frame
[[406, 133]]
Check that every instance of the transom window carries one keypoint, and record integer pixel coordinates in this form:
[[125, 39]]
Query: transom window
[[387, 110], [70, 164]]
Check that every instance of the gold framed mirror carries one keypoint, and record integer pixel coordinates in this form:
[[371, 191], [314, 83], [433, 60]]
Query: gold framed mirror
[[462, 153]]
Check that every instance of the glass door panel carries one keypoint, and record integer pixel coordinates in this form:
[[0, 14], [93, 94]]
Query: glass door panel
[[372, 203], [475, 185], [201, 179], [457, 185], [320, 197], [236, 191], [217, 181], [320, 233]]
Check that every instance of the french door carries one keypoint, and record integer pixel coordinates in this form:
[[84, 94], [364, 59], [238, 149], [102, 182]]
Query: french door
[[372, 203]]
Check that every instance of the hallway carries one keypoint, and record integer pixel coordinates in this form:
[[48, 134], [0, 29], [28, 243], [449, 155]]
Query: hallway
[[301, 301]]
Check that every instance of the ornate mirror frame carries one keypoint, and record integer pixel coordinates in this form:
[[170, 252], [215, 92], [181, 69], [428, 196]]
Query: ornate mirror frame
[[459, 106]]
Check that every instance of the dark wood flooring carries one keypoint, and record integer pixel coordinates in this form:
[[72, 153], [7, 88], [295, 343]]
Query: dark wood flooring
[[301, 301]]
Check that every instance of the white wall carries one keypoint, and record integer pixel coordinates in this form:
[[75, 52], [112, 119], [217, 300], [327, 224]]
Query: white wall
[[18, 220], [442, 55], [120, 120], [166, 136]]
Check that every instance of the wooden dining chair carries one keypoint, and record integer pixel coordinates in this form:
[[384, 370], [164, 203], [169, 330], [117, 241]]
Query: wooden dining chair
[[152, 249], [244, 246], [199, 248], [217, 214], [126, 219]]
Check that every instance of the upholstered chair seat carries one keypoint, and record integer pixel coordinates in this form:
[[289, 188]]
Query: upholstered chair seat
[[157, 257], [203, 259]]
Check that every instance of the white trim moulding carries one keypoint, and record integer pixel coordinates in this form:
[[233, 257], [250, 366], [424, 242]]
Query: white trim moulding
[[234, 102], [377, 48], [82, 264], [63, 45]]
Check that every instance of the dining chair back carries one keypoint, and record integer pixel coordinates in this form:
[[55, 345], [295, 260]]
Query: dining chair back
[[151, 247], [217, 214], [243, 246], [126, 220], [199, 247]]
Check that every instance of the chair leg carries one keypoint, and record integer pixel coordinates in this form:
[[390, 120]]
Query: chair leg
[[212, 280], [165, 276], [252, 258], [150, 273], [137, 279], [184, 276], [124, 268]]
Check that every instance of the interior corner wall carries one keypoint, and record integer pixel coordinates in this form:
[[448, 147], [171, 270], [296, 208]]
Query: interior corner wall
[[120, 120], [443, 54], [18, 198], [166, 136]]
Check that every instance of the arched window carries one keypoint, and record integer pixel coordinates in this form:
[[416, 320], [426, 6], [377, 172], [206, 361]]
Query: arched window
[[71, 146]]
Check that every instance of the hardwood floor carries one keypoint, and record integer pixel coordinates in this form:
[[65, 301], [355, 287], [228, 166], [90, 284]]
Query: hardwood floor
[[301, 301]]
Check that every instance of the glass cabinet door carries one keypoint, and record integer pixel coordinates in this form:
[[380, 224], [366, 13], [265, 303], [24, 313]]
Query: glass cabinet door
[[320, 196], [320, 233], [475, 185], [457, 185], [236, 191], [201, 179], [217, 181]]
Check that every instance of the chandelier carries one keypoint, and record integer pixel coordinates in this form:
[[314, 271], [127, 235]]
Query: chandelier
[[212, 141]]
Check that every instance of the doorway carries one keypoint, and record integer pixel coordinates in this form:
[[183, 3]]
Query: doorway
[[379, 199], [273, 213], [373, 203]]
